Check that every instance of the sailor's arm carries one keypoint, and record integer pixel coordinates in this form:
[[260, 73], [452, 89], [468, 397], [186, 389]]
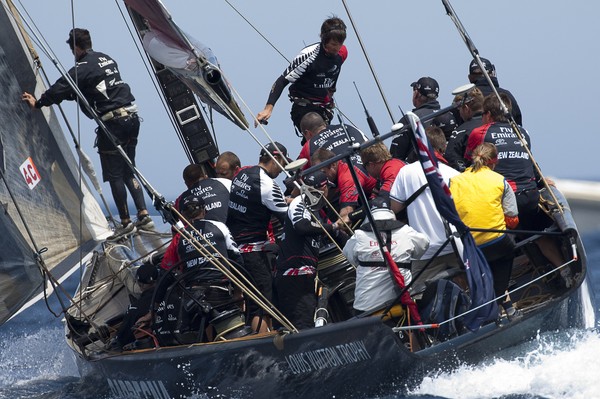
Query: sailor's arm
[[276, 90], [396, 205]]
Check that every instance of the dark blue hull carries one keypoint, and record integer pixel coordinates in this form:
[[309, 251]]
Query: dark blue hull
[[347, 359]]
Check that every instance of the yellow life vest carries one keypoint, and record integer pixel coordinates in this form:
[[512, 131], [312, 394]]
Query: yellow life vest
[[478, 200]]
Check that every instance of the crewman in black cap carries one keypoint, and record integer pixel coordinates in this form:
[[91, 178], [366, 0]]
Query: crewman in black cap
[[424, 99], [477, 77]]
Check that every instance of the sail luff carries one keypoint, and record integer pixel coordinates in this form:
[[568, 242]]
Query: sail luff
[[47, 206]]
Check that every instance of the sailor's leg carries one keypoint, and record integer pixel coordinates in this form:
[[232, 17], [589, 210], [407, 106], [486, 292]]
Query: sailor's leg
[[135, 189], [119, 193], [258, 266]]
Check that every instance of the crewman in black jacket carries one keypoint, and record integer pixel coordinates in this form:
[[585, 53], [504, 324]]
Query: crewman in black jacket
[[98, 78], [425, 100]]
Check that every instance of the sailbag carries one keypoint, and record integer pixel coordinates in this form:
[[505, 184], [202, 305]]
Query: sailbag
[[190, 60], [45, 206]]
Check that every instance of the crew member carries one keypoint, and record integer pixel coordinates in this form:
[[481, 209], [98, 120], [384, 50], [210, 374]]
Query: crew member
[[516, 165], [374, 285], [254, 198], [477, 77], [339, 173], [380, 165], [227, 165], [197, 267], [484, 200], [313, 76], [424, 98], [335, 138], [299, 252], [214, 192], [98, 78]]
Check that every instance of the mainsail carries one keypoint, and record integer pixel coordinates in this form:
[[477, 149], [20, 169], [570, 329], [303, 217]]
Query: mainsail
[[46, 206], [169, 45]]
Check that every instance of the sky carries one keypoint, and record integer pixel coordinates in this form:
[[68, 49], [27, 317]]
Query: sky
[[545, 53]]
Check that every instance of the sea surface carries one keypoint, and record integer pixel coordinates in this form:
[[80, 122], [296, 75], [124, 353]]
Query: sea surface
[[36, 363]]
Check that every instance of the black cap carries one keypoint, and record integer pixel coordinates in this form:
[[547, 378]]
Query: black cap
[[275, 149], [191, 202], [427, 86], [316, 179], [446, 122], [474, 67], [146, 273], [379, 203]]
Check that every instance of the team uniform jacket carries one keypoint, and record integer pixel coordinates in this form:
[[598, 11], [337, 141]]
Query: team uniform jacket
[[215, 193], [254, 198], [457, 143], [513, 160], [181, 249], [98, 78], [299, 249], [312, 73], [374, 285], [334, 139], [347, 188], [401, 146]]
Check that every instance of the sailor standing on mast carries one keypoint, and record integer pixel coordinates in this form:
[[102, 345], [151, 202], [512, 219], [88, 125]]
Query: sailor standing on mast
[[98, 77], [313, 74]]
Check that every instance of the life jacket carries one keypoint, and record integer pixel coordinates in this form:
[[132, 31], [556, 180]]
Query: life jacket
[[478, 200]]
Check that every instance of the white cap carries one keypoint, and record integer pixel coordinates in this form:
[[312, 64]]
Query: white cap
[[383, 214]]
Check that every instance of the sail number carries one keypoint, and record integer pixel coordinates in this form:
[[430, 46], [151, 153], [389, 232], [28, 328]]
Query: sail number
[[30, 173]]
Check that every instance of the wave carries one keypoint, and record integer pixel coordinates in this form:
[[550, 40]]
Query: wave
[[563, 364]]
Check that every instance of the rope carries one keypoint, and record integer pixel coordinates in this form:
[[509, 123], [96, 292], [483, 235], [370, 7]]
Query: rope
[[509, 292], [240, 280]]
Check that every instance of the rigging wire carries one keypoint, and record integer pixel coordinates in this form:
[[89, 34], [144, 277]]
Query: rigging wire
[[364, 50], [256, 29], [151, 72], [475, 54]]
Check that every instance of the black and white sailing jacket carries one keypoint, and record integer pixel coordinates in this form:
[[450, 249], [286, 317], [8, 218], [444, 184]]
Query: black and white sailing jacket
[[254, 197]]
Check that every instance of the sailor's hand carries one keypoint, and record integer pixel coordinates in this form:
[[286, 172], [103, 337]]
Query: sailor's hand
[[264, 115], [29, 99], [343, 224]]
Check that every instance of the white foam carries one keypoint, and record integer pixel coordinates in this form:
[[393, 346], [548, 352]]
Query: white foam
[[563, 366], [42, 355]]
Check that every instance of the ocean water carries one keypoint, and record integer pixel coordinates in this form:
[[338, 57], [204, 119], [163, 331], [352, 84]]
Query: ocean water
[[35, 362]]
